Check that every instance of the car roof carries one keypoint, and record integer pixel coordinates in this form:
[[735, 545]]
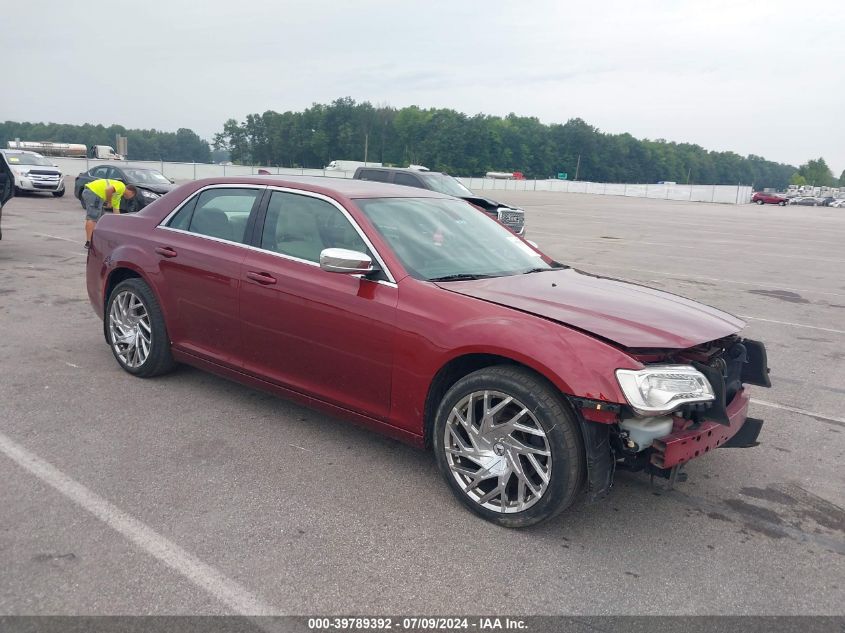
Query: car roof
[[20, 151], [403, 169], [327, 185]]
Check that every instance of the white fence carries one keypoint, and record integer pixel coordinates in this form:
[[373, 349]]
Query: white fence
[[728, 194]]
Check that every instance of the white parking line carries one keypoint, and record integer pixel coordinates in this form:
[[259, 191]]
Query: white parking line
[[775, 405], [55, 237], [207, 578], [810, 327]]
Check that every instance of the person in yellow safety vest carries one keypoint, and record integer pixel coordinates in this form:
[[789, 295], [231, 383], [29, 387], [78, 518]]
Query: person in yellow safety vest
[[101, 196]]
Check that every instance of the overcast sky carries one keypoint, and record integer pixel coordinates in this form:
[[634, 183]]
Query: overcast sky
[[765, 77]]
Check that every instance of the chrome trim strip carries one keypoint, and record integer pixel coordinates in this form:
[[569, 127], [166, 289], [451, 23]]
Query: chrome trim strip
[[163, 226]]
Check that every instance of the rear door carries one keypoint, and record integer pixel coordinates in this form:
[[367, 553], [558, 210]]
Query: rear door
[[201, 247], [328, 335]]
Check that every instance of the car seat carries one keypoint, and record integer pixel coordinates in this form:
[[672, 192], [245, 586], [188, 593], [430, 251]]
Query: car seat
[[212, 222]]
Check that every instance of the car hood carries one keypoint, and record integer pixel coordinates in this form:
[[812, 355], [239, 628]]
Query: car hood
[[160, 189], [627, 314], [485, 203]]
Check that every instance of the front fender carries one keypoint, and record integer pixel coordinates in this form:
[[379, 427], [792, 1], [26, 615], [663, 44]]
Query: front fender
[[436, 327], [576, 363]]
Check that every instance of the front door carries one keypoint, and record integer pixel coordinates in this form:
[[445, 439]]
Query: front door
[[200, 252], [328, 335]]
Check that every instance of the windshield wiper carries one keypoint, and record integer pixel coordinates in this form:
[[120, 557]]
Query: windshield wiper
[[542, 270], [460, 277]]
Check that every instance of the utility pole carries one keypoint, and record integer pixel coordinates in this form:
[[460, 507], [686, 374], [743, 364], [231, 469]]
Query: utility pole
[[689, 171], [366, 146], [577, 166]]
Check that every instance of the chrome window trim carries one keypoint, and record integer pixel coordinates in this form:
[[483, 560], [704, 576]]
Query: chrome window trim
[[391, 280]]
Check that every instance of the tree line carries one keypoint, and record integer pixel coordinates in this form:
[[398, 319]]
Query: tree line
[[443, 140], [457, 143], [184, 145]]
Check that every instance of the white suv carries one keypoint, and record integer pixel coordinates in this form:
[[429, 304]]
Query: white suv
[[34, 172]]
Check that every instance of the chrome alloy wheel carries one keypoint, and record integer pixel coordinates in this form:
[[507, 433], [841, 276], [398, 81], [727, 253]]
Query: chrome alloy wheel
[[129, 329], [497, 451]]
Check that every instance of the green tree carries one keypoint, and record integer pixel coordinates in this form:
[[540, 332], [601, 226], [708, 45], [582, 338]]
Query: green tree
[[817, 173], [842, 179], [798, 180]]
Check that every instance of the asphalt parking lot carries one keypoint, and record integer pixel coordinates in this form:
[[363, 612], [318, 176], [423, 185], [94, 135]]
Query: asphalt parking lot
[[254, 504]]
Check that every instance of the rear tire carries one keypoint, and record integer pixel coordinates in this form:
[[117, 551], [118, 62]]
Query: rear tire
[[513, 428], [135, 330]]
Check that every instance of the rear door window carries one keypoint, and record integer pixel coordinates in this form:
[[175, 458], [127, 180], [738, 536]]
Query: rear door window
[[219, 213], [374, 175]]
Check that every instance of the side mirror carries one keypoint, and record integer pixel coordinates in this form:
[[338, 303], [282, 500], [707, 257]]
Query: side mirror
[[341, 260], [172, 182]]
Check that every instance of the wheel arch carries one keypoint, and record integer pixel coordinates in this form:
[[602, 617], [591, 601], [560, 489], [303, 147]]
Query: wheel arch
[[594, 437], [118, 274], [462, 365]]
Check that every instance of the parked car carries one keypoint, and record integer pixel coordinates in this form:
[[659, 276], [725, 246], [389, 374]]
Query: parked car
[[151, 183], [408, 311], [33, 172], [838, 203], [807, 201], [7, 187], [511, 217], [826, 201], [760, 197]]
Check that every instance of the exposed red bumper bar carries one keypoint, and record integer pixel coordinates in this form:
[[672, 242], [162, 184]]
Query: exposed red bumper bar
[[685, 444]]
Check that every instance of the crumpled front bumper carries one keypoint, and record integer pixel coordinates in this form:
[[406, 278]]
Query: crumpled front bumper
[[686, 443]]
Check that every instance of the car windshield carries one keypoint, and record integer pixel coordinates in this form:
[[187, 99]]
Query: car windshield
[[14, 158], [146, 176], [442, 240], [442, 183]]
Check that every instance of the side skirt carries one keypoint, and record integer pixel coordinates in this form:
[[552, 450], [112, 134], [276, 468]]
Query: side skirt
[[308, 401]]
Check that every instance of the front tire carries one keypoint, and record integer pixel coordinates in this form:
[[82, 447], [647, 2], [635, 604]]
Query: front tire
[[508, 446], [58, 194], [760, 202], [136, 331], [781, 203]]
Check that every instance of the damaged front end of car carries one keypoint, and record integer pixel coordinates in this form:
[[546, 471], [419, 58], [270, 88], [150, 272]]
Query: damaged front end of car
[[681, 405]]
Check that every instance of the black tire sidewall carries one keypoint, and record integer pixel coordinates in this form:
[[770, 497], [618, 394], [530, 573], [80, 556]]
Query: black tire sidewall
[[564, 436], [159, 360]]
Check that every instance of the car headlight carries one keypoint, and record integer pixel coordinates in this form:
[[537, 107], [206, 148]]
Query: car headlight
[[660, 389], [149, 195]]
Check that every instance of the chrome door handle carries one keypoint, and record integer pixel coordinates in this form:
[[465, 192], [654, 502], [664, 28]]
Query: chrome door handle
[[165, 251], [262, 278]]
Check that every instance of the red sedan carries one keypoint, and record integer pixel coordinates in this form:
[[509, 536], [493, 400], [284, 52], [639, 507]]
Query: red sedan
[[419, 316], [761, 197]]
